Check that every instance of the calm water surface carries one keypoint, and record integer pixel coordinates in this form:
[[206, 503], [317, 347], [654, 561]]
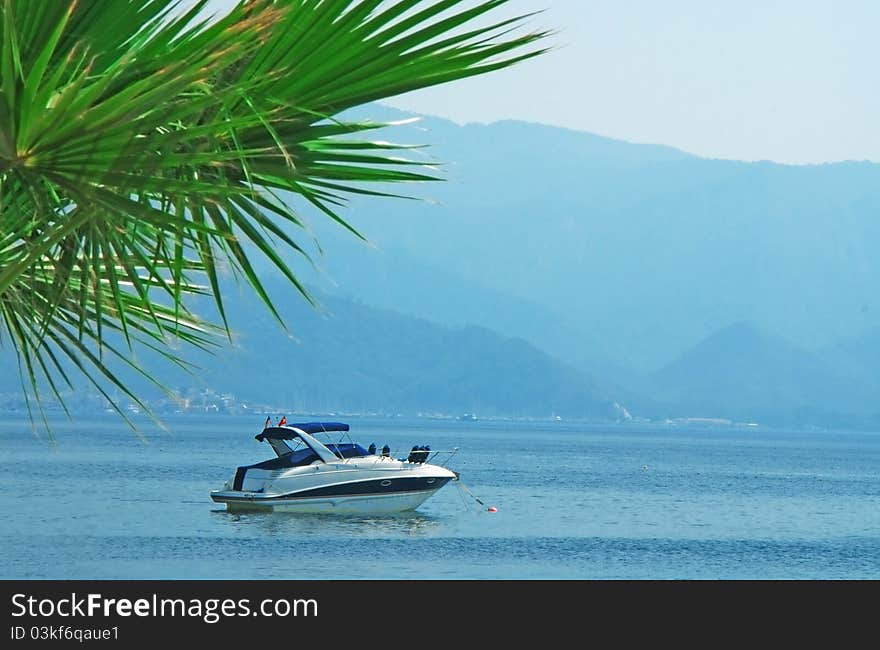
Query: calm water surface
[[574, 502]]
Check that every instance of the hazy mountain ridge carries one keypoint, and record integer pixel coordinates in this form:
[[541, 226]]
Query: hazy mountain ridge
[[742, 373], [620, 263], [348, 356], [645, 257]]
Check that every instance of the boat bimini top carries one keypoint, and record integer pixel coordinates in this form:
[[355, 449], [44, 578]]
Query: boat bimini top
[[314, 450], [289, 431]]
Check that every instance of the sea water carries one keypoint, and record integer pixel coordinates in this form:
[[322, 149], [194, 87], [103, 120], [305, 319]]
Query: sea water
[[573, 500]]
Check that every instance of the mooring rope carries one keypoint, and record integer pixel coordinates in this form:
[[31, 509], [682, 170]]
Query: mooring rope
[[472, 495]]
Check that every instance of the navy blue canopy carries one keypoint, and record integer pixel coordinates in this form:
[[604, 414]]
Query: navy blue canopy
[[285, 433]]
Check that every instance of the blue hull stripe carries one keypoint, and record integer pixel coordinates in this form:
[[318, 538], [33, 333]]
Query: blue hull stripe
[[361, 488]]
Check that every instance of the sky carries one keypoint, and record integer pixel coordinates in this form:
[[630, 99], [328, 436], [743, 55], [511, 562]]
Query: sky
[[792, 81]]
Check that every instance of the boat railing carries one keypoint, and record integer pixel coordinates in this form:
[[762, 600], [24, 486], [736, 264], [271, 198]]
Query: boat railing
[[447, 453], [430, 456]]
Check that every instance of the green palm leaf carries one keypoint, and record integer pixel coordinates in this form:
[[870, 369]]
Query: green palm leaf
[[142, 150]]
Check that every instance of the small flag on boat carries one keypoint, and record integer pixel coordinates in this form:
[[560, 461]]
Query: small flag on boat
[[268, 422], [282, 421]]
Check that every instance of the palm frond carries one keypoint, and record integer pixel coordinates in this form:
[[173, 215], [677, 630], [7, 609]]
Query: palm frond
[[142, 150]]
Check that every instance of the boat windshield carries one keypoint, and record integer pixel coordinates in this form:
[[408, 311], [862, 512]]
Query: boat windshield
[[306, 456]]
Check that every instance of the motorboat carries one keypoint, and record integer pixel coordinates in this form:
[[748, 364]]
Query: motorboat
[[309, 475]]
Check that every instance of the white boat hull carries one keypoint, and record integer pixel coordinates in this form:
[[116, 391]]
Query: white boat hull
[[357, 486], [355, 504]]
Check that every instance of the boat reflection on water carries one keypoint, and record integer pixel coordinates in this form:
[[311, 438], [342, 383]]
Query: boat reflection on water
[[316, 525]]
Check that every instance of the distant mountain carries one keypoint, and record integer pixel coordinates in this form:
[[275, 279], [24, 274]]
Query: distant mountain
[[394, 279], [742, 373], [629, 254], [346, 356], [858, 357]]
